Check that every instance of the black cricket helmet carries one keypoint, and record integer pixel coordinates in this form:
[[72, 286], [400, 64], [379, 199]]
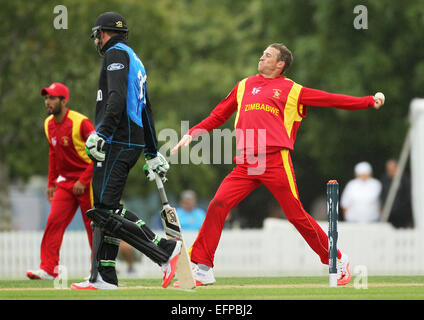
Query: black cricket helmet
[[109, 21]]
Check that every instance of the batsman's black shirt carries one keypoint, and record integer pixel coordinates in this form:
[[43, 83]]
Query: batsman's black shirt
[[113, 120]]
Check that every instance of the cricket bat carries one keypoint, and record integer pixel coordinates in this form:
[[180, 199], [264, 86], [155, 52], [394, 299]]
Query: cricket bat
[[173, 230]]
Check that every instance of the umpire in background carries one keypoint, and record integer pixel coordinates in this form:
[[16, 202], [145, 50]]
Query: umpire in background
[[124, 128]]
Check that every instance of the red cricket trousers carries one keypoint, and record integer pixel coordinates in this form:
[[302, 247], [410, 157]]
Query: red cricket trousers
[[278, 176], [63, 208]]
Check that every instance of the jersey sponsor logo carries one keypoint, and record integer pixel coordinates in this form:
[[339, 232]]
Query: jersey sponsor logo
[[256, 90], [60, 179], [54, 141], [115, 66]]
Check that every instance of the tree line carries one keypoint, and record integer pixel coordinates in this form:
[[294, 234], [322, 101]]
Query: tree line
[[194, 52]]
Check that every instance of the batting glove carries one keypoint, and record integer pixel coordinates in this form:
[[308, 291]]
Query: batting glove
[[151, 175], [94, 147], [158, 163]]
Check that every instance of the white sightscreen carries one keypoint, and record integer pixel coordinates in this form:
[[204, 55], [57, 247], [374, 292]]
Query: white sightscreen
[[417, 160]]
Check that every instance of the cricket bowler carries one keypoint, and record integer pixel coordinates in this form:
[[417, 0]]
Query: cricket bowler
[[273, 104]]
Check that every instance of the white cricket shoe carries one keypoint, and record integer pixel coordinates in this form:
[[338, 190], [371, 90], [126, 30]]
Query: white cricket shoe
[[99, 284], [343, 272], [201, 277], [170, 266], [39, 275]]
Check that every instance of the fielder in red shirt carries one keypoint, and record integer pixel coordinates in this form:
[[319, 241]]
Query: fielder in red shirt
[[269, 109], [69, 178]]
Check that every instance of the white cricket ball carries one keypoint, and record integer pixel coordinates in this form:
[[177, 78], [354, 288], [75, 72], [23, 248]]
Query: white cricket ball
[[380, 95]]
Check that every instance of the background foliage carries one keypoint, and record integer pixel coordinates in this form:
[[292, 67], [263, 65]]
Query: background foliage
[[194, 52]]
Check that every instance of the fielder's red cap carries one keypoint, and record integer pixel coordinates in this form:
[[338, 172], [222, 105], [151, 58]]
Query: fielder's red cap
[[56, 89]]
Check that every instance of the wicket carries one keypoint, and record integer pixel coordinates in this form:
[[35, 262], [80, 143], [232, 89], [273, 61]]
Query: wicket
[[333, 212]]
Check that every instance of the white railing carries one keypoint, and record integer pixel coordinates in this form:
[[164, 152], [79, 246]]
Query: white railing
[[277, 249]]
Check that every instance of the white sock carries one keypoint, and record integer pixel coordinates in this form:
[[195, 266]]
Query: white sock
[[203, 267]]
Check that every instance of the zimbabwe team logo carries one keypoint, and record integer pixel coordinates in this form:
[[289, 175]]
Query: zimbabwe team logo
[[277, 93], [65, 141]]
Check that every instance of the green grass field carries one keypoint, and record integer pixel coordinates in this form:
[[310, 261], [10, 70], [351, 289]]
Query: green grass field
[[235, 288]]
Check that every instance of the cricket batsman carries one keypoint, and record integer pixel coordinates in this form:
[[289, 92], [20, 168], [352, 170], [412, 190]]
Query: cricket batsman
[[269, 108], [124, 130]]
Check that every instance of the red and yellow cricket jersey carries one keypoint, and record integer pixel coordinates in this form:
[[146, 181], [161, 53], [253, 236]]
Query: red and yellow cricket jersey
[[67, 156], [269, 112]]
